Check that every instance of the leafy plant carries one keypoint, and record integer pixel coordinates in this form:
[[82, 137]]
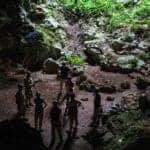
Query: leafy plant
[[75, 60], [118, 14]]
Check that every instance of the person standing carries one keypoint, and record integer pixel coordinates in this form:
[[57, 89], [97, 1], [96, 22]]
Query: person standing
[[20, 102], [40, 104], [67, 97], [97, 106], [28, 90], [73, 113], [56, 123], [70, 91], [63, 74]]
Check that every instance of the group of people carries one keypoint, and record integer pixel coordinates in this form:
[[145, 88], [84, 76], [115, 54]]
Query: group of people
[[23, 101], [72, 105]]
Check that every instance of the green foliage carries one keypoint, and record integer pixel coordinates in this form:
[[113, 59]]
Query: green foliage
[[118, 14], [75, 60]]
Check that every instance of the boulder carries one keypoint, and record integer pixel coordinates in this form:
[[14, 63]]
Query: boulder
[[144, 45], [93, 55], [77, 71], [142, 82], [117, 44], [107, 137], [88, 85], [51, 66], [54, 52], [81, 79], [37, 14], [51, 22], [141, 30], [129, 62], [125, 85], [110, 98], [107, 87]]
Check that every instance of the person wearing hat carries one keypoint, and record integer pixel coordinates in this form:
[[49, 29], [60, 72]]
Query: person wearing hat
[[56, 122], [40, 104], [20, 101]]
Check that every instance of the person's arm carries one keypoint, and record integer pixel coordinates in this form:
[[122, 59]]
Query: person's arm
[[16, 95], [100, 100], [80, 104]]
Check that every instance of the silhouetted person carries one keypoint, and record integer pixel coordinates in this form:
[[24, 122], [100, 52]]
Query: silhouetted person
[[56, 123], [20, 101], [69, 84], [63, 73], [73, 113], [67, 97], [40, 104], [143, 103], [97, 106], [28, 89]]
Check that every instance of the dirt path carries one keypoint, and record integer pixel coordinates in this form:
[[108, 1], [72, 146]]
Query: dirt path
[[49, 87]]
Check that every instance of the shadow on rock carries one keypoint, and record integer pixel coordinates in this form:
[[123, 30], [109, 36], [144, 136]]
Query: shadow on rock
[[69, 141], [18, 135], [142, 143]]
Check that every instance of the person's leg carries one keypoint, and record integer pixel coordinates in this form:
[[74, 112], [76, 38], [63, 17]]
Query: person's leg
[[40, 120], [67, 103], [75, 126], [71, 124], [59, 130], [97, 117], [22, 111], [30, 97], [53, 133], [26, 98], [66, 86], [36, 119], [61, 85], [76, 121]]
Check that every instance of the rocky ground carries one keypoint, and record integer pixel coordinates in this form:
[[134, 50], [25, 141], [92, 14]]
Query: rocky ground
[[49, 87], [116, 62]]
